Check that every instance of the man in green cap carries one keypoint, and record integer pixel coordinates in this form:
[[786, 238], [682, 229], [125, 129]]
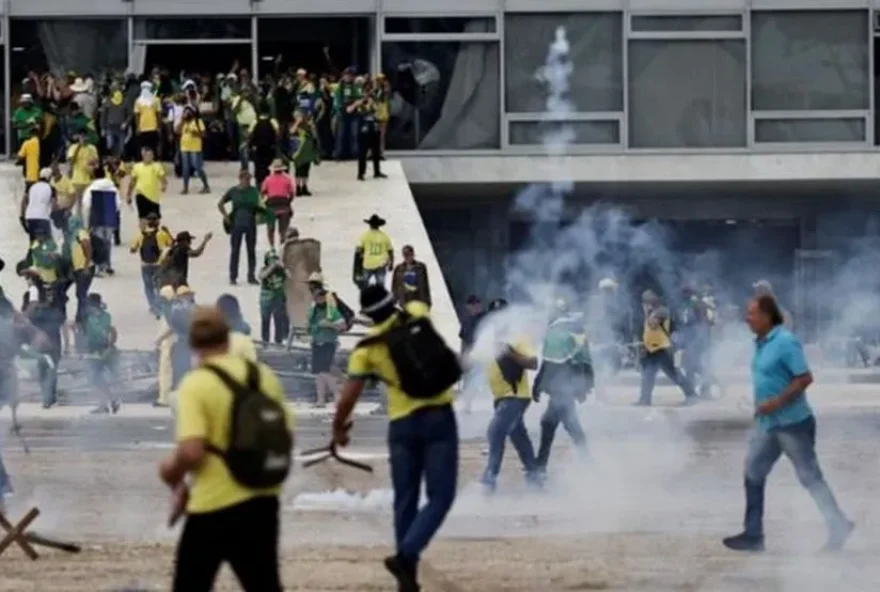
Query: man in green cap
[[27, 118], [566, 375]]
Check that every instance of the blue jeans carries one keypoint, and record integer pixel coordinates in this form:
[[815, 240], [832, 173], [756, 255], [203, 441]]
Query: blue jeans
[[116, 141], [192, 163], [148, 277], [560, 409], [798, 443], [5, 482], [346, 137], [653, 362], [423, 445], [508, 422]]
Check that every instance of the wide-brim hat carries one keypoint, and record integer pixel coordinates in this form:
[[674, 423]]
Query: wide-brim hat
[[184, 236], [375, 220], [79, 85], [277, 166], [316, 277]]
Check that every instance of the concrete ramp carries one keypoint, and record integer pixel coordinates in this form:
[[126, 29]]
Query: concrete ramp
[[334, 215]]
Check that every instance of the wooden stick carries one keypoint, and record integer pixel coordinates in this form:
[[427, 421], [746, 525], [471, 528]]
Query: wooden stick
[[15, 534]]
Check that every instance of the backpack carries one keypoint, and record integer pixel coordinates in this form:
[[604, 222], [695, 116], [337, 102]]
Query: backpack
[[424, 363], [97, 329], [150, 250], [259, 454]]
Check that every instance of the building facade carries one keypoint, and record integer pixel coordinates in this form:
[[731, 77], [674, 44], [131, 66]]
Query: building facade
[[751, 115]]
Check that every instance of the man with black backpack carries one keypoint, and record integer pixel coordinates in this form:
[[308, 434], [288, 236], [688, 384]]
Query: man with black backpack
[[149, 245], [404, 351], [235, 441]]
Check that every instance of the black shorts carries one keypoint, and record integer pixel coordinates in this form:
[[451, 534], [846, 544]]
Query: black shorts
[[322, 357], [145, 207], [301, 171]]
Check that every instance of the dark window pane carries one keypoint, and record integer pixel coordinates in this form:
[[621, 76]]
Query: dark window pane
[[463, 24], [348, 40], [446, 95], [810, 130], [596, 51], [810, 60], [568, 132], [727, 22], [686, 94], [84, 46], [193, 28]]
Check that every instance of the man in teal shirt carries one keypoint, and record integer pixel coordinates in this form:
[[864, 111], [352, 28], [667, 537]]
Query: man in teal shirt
[[784, 424], [325, 324], [566, 375]]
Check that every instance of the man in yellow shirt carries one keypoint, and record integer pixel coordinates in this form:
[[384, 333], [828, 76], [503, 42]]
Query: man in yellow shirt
[[658, 351], [191, 130], [422, 437], [29, 159], [83, 158], [226, 520], [374, 255], [509, 384], [148, 182], [150, 243], [147, 108]]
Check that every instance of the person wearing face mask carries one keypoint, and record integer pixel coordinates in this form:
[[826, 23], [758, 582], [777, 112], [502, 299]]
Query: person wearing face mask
[[115, 115], [147, 113]]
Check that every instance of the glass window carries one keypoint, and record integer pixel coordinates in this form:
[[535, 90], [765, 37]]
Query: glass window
[[810, 60], [347, 40], [810, 130], [193, 28], [463, 24], [596, 51], [568, 132], [446, 94], [687, 94], [714, 22]]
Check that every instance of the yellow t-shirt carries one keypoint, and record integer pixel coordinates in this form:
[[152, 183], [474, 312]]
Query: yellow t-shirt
[[30, 154], [204, 409], [191, 136], [147, 116], [374, 361], [501, 388], [163, 238], [375, 245], [81, 157], [147, 179], [78, 258], [656, 338], [242, 346], [63, 191]]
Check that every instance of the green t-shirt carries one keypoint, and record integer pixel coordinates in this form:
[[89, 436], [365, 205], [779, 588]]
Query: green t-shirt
[[321, 335], [245, 204]]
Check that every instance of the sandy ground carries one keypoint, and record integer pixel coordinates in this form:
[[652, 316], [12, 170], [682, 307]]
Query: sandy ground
[[646, 512]]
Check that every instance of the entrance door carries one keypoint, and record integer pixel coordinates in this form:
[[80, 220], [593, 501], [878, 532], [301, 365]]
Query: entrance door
[[813, 273]]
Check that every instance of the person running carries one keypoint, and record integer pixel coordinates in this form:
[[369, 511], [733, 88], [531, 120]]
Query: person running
[[784, 424], [101, 204], [566, 375], [242, 224], [374, 254], [422, 437], [148, 182], [174, 262], [226, 520], [149, 244], [278, 192], [509, 384]]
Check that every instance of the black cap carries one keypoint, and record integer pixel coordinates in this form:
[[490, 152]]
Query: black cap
[[184, 236]]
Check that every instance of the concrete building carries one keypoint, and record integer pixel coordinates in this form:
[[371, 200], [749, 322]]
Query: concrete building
[[748, 127]]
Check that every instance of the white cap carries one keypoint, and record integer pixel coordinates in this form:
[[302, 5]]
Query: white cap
[[146, 84], [45, 174], [26, 97], [607, 284]]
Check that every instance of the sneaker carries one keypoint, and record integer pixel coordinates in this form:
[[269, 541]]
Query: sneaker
[[253, 281], [690, 401], [100, 410], [110, 271], [233, 282], [361, 178], [745, 542], [641, 403], [205, 191], [160, 405], [49, 405], [115, 405], [184, 192], [404, 572], [305, 191], [838, 536], [380, 176]]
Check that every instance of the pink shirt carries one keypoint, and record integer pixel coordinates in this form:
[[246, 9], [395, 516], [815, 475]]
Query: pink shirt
[[277, 185]]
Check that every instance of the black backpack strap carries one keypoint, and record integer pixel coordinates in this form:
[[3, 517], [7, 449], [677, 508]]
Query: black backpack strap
[[403, 317], [237, 390]]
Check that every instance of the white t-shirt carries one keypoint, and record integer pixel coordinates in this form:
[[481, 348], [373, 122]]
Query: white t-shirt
[[40, 197]]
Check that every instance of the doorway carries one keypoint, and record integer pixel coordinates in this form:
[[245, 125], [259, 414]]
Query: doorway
[[321, 45]]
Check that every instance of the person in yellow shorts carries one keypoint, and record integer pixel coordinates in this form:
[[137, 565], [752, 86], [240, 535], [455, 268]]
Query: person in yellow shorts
[[374, 255], [148, 183], [216, 500]]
